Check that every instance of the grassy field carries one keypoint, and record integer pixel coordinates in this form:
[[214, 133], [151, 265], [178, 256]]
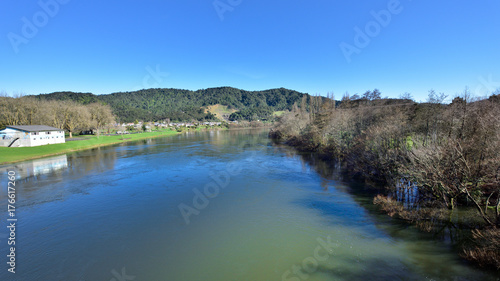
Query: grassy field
[[278, 113], [16, 154], [220, 110]]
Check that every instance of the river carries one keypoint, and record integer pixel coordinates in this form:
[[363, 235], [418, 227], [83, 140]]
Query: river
[[219, 205]]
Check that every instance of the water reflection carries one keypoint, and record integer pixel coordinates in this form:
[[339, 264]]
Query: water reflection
[[32, 169], [117, 207], [407, 193], [432, 239], [37, 181], [97, 160]]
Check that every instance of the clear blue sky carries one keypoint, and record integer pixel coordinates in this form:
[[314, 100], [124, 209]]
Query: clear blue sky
[[109, 46]]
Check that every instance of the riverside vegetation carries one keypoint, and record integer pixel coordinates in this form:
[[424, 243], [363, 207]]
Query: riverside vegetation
[[450, 152], [63, 114]]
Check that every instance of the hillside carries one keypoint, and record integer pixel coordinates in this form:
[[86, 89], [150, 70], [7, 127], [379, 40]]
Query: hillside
[[222, 112], [183, 105]]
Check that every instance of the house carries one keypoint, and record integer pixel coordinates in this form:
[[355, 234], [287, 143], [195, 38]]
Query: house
[[30, 135]]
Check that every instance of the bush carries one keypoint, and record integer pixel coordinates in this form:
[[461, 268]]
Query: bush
[[485, 248]]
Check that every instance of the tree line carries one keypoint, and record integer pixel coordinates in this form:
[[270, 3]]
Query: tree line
[[63, 114], [451, 151], [185, 105]]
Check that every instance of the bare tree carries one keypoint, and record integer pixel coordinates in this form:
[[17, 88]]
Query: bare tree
[[76, 116], [8, 115], [406, 96], [100, 115], [436, 98]]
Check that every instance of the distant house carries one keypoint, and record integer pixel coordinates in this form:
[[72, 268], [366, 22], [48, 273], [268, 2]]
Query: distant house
[[30, 135]]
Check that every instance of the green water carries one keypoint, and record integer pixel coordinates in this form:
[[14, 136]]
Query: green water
[[208, 206]]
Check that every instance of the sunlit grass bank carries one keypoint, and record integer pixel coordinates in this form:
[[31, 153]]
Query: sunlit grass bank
[[16, 154]]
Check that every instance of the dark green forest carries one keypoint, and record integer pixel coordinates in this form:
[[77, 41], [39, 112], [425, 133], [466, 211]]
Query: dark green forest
[[186, 105]]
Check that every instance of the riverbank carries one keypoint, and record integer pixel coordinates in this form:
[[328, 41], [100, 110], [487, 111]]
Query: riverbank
[[275, 200], [17, 154], [470, 237], [10, 155], [446, 155]]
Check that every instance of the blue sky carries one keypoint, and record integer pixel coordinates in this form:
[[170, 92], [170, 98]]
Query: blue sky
[[110, 46]]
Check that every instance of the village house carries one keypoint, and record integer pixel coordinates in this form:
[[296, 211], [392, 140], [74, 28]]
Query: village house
[[30, 135]]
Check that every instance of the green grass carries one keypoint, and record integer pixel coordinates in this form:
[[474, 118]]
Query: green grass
[[278, 113], [220, 110], [16, 154]]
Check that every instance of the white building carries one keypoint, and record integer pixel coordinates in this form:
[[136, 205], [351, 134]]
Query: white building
[[30, 135]]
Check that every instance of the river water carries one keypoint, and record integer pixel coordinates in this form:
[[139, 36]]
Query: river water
[[220, 205]]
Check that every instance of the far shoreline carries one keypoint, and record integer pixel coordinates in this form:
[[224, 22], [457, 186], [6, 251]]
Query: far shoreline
[[21, 154]]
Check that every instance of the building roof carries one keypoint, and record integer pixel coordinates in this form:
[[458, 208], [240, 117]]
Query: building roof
[[34, 128]]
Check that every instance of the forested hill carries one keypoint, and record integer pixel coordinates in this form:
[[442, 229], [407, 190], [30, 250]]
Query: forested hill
[[184, 105]]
